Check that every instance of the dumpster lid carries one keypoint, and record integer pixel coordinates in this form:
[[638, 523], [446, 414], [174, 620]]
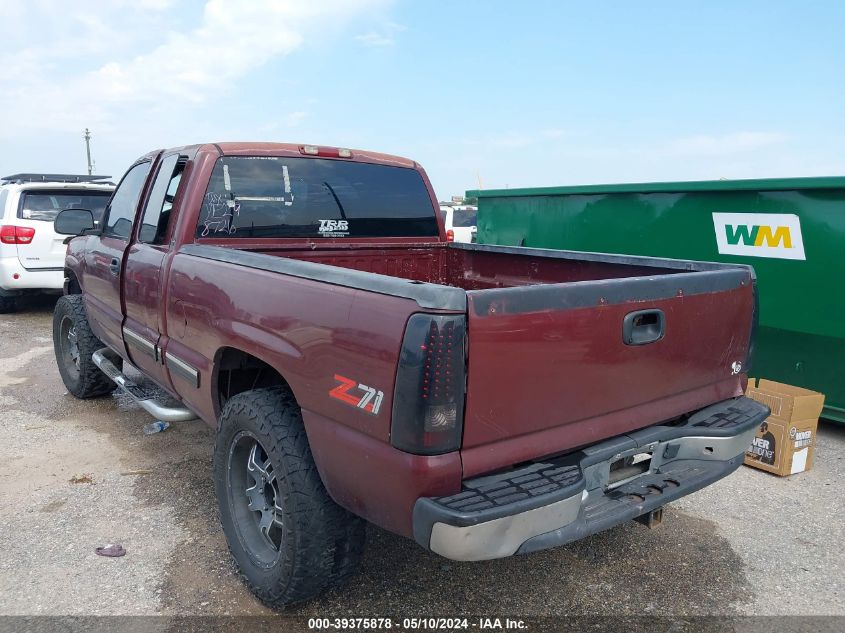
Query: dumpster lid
[[765, 184]]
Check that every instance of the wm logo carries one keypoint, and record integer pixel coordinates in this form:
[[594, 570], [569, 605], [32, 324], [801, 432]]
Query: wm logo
[[759, 235], [772, 235]]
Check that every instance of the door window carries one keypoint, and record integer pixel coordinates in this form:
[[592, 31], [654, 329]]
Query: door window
[[157, 212], [121, 210]]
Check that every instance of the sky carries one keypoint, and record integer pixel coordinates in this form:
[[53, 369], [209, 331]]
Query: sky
[[489, 94]]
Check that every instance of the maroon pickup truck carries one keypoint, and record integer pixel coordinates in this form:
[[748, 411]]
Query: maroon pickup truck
[[485, 401]]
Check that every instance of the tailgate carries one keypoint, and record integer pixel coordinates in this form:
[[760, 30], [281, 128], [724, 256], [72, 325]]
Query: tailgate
[[550, 363]]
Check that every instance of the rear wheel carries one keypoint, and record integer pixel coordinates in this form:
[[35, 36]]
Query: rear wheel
[[7, 304], [290, 540], [74, 344]]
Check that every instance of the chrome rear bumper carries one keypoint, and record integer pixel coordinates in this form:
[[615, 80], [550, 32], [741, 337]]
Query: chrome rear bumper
[[554, 502]]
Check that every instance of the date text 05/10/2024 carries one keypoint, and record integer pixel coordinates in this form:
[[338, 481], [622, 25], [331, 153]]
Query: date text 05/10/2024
[[431, 624]]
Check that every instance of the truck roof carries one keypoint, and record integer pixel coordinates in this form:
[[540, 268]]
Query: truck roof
[[258, 148]]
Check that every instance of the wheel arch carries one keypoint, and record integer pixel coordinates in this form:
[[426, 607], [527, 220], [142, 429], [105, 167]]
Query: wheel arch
[[72, 285], [236, 371]]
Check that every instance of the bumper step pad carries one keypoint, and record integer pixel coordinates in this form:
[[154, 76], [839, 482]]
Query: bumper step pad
[[733, 414], [523, 485]]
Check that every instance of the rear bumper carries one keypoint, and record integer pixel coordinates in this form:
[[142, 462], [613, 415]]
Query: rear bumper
[[28, 278], [558, 501]]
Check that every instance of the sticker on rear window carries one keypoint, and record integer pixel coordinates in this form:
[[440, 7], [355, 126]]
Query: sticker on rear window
[[220, 213], [334, 228]]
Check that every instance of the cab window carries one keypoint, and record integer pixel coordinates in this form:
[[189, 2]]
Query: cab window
[[121, 209], [157, 212]]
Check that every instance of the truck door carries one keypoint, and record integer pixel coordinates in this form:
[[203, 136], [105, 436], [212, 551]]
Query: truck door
[[101, 274], [143, 287]]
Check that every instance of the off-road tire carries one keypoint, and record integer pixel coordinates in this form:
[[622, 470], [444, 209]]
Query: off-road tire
[[321, 542], [8, 304], [85, 381]]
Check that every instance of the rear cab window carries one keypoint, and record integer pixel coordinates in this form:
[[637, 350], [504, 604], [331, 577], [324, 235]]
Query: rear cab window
[[44, 204], [464, 218], [313, 198]]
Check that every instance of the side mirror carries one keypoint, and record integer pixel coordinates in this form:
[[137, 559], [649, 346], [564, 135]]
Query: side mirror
[[73, 222]]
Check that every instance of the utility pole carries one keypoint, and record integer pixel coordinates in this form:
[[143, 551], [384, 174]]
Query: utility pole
[[88, 150]]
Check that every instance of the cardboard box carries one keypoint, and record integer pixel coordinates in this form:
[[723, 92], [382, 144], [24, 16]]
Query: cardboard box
[[785, 442]]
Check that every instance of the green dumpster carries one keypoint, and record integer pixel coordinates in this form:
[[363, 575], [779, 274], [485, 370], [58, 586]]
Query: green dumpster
[[791, 230]]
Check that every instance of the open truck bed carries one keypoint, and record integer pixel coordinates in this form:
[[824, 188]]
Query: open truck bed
[[563, 348]]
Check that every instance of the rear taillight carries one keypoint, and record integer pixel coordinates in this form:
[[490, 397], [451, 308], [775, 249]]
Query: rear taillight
[[428, 402], [16, 234], [450, 235], [24, 234]]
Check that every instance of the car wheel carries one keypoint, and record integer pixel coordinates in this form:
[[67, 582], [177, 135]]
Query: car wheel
[[290, 540], [7, 304], [74, 344]]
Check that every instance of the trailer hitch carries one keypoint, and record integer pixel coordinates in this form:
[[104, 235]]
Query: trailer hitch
[[651, 519]]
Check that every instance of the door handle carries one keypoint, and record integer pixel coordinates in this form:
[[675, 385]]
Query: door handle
[[114, 267], [643, 327]]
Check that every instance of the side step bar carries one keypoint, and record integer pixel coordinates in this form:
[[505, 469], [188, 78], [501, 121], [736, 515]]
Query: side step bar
[[160, 412]]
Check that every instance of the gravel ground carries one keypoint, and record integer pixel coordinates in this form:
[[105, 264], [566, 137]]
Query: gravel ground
[[76, 475]]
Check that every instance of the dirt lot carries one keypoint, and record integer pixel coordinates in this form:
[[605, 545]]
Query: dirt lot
[[75, 475]]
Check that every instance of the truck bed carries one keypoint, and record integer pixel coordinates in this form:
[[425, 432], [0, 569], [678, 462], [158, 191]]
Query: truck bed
[[547, 367], [480, 267]]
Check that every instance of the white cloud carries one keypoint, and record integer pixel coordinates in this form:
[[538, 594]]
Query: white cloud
[[709, 145], [284, 121], [375, 39], [295, 118], [234, 37], [75, 63], [554, 133], [386, 36], [512, 141], [156, 5], [157, 73], [515, 139]]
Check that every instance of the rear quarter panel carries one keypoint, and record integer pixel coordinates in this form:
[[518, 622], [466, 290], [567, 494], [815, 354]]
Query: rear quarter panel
[[310, 332]]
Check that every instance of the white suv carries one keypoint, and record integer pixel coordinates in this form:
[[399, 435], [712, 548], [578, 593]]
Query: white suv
[[461, 220], [32, 254]]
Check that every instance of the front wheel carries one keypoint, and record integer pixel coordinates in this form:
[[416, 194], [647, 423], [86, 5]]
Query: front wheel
[[74, 344], [290, 540]]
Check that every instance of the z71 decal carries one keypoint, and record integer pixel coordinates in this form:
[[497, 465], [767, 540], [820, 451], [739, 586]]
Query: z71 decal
[[348, 391]]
